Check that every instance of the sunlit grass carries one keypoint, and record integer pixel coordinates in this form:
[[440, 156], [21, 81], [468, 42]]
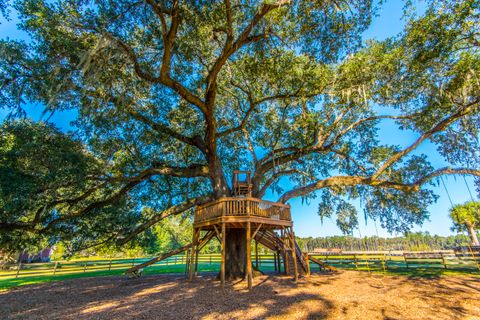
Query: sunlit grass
[[395, 267], [10, 282]]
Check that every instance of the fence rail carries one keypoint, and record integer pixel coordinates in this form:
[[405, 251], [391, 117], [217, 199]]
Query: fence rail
[[356, 260]]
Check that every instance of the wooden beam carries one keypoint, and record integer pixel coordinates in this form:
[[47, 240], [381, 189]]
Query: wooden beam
[[159, 258], [258, 228], [275, 261], [256, 254], [197, 250], [308, 263], [187, 263], [243, 219], [249, 257], [294, 256], [219, 236], [222, 268], [206, 239], [192, 255], [279, 262]]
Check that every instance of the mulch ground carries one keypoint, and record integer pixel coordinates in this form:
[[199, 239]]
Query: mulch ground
[[344, 295]]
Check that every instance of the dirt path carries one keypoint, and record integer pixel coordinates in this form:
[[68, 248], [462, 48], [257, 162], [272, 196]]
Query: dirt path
[[346, 295]]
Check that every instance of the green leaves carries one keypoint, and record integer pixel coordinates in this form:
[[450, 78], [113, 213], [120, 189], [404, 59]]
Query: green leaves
[[467, 217], [281, 88], [46, 178], [467, 214]]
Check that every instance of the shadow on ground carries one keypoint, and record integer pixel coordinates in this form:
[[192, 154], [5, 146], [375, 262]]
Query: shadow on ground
[[162, 297]]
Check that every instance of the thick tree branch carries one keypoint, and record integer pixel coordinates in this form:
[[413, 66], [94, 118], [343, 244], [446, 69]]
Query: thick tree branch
[[272, 159], [174, 210], [271, 180], [437, 128], [164, 77], [350, 181], [165, 129], [357, 123], [233, 46], [130, 183]]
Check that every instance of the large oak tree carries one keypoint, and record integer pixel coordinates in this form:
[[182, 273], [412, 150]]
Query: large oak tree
[[172, 96]]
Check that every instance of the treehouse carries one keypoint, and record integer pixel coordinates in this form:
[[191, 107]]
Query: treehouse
[[237, 222]]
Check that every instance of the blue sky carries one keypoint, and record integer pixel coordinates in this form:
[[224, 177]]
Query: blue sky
[[307, 223]]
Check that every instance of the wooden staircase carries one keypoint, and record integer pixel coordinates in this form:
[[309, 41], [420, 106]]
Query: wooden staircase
[[283, 247]]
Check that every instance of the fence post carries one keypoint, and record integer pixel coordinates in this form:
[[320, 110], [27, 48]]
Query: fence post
[[210, 259], [55, 268], [133, 262], [85, 267], [275, 261], [307, 262], [443, 261], [18, 269], [110, 265]]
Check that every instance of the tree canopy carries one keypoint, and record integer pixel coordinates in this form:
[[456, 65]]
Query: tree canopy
[[172, 96], [467, 217]]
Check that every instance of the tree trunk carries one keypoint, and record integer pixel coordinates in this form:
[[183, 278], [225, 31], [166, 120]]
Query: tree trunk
[[236, 254], [473, 235]]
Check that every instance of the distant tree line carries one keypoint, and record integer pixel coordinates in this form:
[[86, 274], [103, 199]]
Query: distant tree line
[[418, 241]]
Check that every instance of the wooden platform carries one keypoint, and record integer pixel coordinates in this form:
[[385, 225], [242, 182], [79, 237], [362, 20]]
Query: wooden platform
[[237, 212]]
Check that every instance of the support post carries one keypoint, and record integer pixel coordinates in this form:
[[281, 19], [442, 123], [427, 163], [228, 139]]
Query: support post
[[280, 257], [222, 268], [308, 263], [256, 254], [286, 258], [192, 256], [275, 261], [249, 257], [197, 249], [55, 268], [19, 267], [443, 261], [187, 263], [294, 256]]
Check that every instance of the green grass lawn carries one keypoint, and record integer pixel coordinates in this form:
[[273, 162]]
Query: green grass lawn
[[11, 282], [395, 267]]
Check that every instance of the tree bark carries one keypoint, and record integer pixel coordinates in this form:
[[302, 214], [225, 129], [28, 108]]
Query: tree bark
[[236, 254], [473, 235]]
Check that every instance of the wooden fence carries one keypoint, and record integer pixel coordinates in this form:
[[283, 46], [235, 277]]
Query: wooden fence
[[80, 266], [446, 259], [353, 260]]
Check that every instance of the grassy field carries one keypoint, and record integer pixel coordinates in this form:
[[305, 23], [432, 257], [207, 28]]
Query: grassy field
[[96, 267]]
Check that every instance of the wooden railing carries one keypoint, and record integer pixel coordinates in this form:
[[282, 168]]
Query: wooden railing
[[242, 207]]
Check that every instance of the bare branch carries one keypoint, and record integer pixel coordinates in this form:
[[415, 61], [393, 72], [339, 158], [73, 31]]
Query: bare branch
[[272, 179]]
